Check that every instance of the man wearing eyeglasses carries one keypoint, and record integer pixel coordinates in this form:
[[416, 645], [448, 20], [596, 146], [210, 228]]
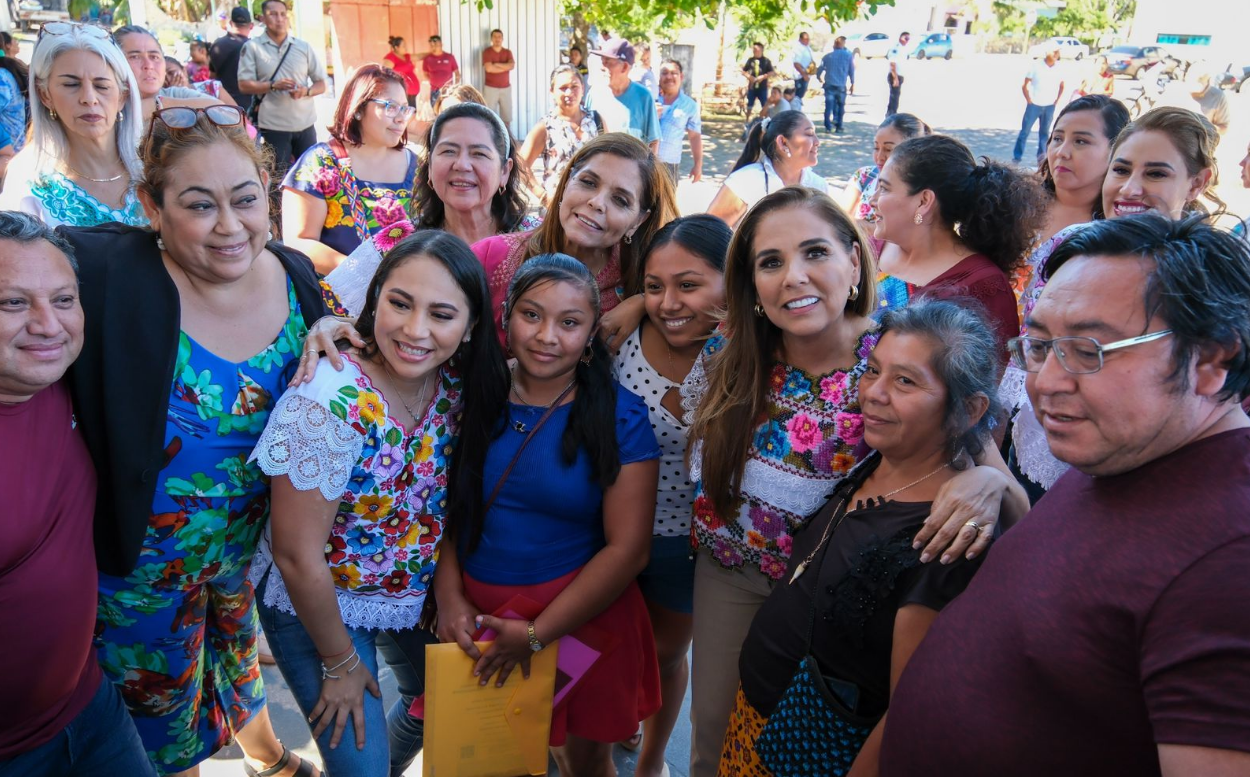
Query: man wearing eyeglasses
[[1109, 631], [285, 73]]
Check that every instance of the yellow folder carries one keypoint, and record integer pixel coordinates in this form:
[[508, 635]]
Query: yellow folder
[[473, 730]]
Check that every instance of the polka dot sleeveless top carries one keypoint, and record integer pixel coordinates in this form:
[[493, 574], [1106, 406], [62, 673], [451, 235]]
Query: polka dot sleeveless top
[[675, 495]]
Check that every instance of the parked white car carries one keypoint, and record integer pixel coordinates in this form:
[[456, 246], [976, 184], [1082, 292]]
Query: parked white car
[[869, 45], [1069, 48]]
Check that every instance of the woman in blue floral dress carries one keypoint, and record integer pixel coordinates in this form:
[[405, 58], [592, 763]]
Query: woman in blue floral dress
[[341, 193], [359, 461], [193, 326]]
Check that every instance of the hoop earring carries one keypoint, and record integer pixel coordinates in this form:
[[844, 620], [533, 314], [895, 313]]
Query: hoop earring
[[52, 113], [588, 355], [629, 239], [854, 294], [918, 219], [759, 310], [502, 187]]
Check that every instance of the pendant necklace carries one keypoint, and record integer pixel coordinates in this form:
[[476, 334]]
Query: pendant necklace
[[516, 392], [833, 525], [416, 420]]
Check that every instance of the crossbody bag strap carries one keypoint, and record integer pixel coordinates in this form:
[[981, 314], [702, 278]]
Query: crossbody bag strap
[[258, 99], [517, 456], [347, 179]]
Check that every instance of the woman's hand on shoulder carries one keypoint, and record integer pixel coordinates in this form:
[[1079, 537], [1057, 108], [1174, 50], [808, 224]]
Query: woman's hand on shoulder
[[620, 322], [321, 340], [964, 515]]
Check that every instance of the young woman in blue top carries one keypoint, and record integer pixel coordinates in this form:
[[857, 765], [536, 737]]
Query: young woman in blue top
[[565, 526]]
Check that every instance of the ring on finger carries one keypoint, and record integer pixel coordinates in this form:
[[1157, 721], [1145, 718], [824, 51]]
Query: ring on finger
[[976, 527]]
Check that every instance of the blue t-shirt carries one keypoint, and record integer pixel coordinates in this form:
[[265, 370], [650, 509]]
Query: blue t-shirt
[[644, 123], [548, 519]]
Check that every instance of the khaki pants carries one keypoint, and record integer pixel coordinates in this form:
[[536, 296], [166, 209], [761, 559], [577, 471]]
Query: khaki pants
[[725, 602], [499, 100]]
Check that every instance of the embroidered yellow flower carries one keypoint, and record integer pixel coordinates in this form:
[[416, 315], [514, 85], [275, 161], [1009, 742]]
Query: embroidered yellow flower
[[370, 405], [334, 213], [413, 536], [372, 506], [345, 576]]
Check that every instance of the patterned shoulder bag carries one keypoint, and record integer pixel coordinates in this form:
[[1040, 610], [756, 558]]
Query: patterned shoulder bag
[[812, 732], [347, 179]]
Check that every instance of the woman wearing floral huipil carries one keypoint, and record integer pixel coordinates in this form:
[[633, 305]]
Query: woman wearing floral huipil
[[776, 425], [359, 462]]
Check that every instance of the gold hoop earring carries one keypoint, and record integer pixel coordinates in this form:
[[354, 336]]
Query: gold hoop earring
[[53, 114], [918, 219], [759, 310], [629, 239], [502, 187], [854, 295], [588, 355]]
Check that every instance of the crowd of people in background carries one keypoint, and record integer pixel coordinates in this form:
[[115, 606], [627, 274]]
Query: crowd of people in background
[[962, 447]]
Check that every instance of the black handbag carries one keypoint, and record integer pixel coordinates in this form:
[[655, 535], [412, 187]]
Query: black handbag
[[812, 732], [253, 111]]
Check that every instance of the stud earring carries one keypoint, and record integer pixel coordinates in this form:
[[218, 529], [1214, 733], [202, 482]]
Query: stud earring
[[918, 219], [269, 237], [359, 116], [759, 310], [121, 115], [159, 242], [854, 293]]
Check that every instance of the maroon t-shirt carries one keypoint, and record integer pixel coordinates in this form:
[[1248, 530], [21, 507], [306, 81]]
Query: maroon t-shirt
[[979, 279], [439, 68], [503, 57], [47, 571], [1114, 618]]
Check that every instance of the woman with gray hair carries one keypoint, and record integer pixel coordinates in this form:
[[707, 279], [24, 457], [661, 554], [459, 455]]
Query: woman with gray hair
[[80, 167], [927, 397]]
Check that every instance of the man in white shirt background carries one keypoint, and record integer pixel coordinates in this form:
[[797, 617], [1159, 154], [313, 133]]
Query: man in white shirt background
[[804, 65], [896, 56], [1042, 88]]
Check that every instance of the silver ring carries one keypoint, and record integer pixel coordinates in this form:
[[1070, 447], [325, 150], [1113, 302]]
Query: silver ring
[[976, 527]]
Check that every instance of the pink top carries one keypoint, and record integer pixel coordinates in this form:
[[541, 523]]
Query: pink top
[[501, 255]]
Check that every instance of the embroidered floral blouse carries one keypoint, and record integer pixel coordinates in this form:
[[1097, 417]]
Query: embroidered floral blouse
[[810, 440], [383, 204], [865, 180], [336, 435], [58, 201]]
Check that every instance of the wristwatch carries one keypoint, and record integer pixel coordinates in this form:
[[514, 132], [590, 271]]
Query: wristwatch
[[535, 645]]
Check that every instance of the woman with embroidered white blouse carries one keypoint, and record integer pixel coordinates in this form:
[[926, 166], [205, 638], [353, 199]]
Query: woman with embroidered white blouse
[[359, 459], [683, 290], [780, 152]]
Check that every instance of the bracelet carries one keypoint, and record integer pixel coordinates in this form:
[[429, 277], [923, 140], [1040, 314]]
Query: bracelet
[[326, 671]]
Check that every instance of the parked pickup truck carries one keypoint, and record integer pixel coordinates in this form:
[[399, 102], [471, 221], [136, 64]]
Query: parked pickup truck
[[32, 14]]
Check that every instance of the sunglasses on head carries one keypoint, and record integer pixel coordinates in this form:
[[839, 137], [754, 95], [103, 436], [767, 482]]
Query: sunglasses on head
[[185, 117], [68, 28]]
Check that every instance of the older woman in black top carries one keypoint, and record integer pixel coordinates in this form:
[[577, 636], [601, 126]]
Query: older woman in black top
[[855, 600], [190, 327]]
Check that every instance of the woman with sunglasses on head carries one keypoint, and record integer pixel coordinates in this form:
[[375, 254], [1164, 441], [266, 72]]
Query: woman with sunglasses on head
[[549, 505], [683, 289], [341, 193], [82, 162], [193, 324], [1163, 161], [359, 465]]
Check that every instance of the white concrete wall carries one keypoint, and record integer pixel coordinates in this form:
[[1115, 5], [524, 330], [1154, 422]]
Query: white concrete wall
[[1226, 21], [531, 30]]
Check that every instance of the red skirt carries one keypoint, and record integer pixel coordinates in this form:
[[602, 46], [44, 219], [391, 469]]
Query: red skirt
[[622, 689]]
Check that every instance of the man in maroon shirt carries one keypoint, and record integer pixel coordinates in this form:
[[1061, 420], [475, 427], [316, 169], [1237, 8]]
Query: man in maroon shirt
[[498, 63], [439, 67], [1108, 633], [58, 715]]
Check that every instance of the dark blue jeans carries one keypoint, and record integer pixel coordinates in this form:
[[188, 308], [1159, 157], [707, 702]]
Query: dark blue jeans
[[835, 105], [392, 739], [1034, 113], [800, 88], [100, 742]]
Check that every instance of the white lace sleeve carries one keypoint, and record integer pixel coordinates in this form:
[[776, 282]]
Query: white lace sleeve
[[305, 442], [694, 388], [350, 280]]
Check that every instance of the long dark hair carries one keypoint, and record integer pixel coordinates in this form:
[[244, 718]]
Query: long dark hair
[[480, 360], [507, 208], [592, 417], [1114, 118], [994, 209], [762, 138]]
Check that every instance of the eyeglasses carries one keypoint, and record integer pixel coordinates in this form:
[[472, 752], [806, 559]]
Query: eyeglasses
[[68, 28], [391, 109], [1077, 355], [185, 117]]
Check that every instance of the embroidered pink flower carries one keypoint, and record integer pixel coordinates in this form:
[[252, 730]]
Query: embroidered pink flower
[[804, 433], [833, 388], [785, 544], [387, 211], [850, 427], [387, 237], [362, 383], [327, 182], [772, 566]]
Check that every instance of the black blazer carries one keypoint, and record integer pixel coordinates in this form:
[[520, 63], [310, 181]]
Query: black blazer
[[122, 378]]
